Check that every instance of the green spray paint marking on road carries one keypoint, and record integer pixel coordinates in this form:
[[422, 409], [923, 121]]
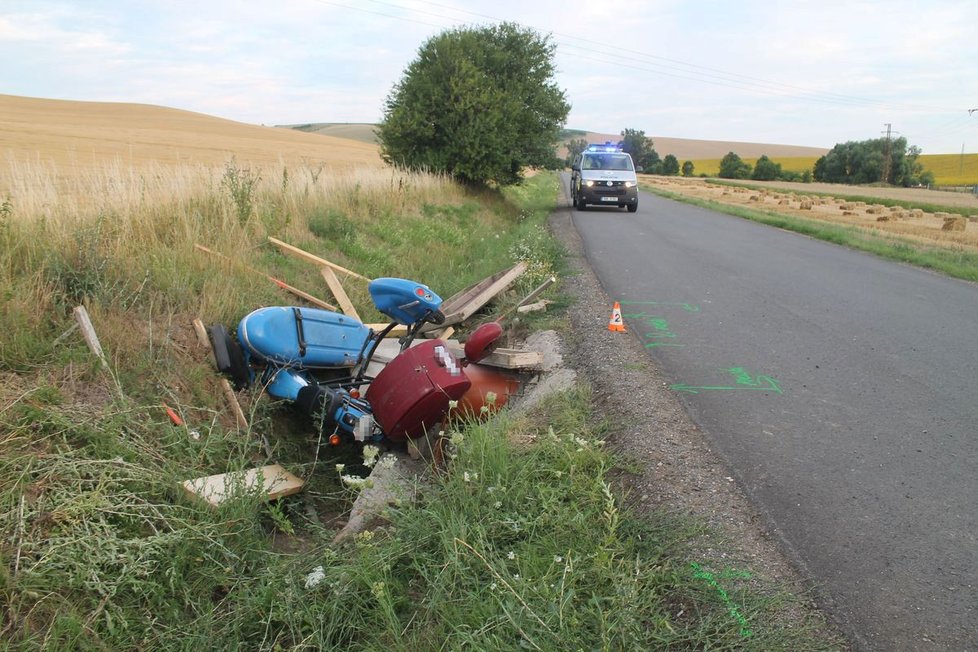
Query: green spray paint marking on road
[[660, 329], [710, 579], [743, 380], [689, 307]]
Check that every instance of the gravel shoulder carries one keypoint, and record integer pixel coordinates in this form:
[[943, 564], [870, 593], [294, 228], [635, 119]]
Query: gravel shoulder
[[671, 462]]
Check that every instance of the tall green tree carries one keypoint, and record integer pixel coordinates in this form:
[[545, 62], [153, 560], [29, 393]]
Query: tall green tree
[[688, 168], [636, 143], [574, 149], [477, 103], [670, 165], [734, 167], [859, 162]]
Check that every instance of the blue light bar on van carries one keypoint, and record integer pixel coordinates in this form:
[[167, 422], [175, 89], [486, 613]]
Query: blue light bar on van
[[607, 146]]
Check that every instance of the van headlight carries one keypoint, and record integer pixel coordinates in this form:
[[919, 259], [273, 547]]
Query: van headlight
[[631, 184], [588, 182]]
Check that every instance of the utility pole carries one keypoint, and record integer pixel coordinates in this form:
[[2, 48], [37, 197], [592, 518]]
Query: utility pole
[[886, 155]]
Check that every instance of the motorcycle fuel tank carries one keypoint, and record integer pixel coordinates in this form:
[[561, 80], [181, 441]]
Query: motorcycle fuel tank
[[406, 302], [413, 390]]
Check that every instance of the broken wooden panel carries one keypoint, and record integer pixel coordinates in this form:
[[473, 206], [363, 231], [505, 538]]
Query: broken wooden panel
[[466, 303], [273, 481]]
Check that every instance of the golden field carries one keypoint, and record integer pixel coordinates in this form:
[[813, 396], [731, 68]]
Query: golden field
[[73, 136], [784, 198]]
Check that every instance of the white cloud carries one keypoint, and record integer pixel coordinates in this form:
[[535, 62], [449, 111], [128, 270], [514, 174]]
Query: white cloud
[[805, 72]]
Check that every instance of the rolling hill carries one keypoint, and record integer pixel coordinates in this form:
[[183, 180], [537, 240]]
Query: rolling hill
[[71, 135]]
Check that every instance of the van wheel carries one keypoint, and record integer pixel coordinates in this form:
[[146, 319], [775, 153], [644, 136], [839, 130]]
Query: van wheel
[[632, 208], [579, 204]]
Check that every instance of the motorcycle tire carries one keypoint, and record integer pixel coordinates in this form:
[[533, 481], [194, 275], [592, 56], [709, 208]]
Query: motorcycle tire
[[229, 357]]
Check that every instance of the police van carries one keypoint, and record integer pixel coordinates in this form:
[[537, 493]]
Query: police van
[[604, 175]]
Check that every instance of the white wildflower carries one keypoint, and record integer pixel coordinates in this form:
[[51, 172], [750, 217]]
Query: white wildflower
[[387, 462], [497, 504], [511, 555], [356, 482], [558, 559], [315, 577], [340, 468], [370, 455]]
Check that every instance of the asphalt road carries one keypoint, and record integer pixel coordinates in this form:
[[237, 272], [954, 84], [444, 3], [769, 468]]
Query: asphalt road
[[840, 388]]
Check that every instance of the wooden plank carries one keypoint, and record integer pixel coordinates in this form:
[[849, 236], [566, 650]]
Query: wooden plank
[[504, 358], [282, 284], [272, 480], [304, 295], [339, 293], [312, 258], [229, 395], [232, 399], [539, 290], [202, 337], [466, 303], [88, 332], [534, 307], [397, 331]]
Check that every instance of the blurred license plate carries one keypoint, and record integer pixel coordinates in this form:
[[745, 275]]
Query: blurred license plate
[[609, 199]]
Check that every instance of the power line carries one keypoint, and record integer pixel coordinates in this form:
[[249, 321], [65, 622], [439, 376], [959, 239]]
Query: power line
[[679, 69], [645, 62]]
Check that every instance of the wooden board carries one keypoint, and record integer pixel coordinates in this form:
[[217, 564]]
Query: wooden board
[[339, 293], [466, 303], [88, 332], [504, 358], [397, 331], [275, 482], [282, 284], [232, 399], [312, 258]]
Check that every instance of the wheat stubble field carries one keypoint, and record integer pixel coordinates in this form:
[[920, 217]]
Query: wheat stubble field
[[928, 227]]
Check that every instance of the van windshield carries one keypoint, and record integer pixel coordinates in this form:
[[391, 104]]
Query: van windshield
[[607, 162]]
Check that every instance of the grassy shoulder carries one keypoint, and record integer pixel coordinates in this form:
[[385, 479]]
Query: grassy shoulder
[[522, 543], [952, 262]]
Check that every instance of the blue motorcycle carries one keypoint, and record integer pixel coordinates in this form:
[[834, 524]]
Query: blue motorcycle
[[318, 360]]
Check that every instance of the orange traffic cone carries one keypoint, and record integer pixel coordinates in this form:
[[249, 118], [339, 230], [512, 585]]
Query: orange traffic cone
[[616, 324]]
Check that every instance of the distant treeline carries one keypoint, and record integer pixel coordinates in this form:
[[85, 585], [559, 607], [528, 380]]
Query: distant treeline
[[879, 160]]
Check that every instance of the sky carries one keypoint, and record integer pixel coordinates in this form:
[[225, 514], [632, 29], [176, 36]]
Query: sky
[[790, 72]]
